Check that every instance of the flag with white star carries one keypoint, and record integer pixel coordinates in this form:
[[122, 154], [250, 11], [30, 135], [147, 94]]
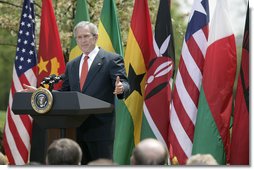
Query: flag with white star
[[187, 85], [18, 128], [26, 51]]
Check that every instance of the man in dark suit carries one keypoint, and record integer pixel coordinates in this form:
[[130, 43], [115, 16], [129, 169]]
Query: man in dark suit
[[105, 79]]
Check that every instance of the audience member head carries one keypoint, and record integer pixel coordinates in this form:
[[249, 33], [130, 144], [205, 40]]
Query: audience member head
[[149, 152], [3, 159], [102, 161], [201, 159], [64, 152]]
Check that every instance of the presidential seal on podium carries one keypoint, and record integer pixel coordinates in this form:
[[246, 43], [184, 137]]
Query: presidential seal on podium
[[42, 100]]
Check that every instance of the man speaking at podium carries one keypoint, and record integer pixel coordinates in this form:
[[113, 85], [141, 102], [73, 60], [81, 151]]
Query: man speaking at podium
[[99, 74]]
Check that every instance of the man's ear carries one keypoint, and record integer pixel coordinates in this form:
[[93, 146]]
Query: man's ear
[[96, 37]]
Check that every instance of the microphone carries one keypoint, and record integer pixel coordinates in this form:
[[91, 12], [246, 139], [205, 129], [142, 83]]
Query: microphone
[[46, 80], [58, 78]]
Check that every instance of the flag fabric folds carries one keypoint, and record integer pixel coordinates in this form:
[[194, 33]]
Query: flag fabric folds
[[239, 152], [81, 15], [216, 95], [50, 57], [110, 40], [138, 52], [188, 82], [109, 30], [18, 128], [155, 119]]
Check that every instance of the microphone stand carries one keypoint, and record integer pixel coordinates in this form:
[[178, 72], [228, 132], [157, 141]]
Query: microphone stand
[[62, 130], [51, 85]]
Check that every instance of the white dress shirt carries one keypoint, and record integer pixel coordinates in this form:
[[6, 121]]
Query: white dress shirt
[[91, 55]]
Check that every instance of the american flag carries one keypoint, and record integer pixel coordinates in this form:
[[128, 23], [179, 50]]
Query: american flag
[[17, 131], [188, 81]]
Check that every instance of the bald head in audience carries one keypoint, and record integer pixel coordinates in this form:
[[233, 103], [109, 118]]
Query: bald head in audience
[[201, 159], [102, 161], [149, 152], [3, 159]]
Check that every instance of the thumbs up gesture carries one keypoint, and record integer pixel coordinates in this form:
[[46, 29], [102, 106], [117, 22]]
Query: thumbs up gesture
[[118, 86]]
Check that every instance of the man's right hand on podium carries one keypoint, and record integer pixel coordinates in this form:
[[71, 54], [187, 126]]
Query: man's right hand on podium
[[28, 88]]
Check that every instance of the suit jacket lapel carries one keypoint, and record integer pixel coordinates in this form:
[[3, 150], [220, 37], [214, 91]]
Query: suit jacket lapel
[[75, 71], [95, 67]]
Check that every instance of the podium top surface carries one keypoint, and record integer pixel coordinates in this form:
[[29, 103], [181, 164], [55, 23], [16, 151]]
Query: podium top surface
[[64, 103]]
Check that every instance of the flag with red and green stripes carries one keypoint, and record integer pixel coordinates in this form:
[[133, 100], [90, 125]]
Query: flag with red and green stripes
[[211, 134]]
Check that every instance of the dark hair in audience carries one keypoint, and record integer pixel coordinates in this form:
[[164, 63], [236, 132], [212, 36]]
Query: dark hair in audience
[[64, 152]]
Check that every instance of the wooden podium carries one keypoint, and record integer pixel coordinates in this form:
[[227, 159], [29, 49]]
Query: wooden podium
[[69, 111]]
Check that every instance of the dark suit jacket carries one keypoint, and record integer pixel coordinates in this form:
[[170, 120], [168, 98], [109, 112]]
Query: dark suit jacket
[[100, 83]]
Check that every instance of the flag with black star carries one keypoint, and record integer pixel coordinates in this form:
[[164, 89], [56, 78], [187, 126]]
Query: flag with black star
[[139, 50]]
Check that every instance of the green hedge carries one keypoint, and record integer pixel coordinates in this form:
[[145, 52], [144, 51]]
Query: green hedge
[[2, 120]]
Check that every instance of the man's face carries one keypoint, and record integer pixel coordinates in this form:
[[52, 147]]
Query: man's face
[[85, 40]]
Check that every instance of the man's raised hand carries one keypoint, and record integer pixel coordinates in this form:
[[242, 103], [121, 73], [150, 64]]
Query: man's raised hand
[[28, 88], [118, 86]]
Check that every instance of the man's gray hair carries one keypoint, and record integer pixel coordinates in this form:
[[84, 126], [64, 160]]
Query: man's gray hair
[[64, 151], [92, 27], [201, 159]]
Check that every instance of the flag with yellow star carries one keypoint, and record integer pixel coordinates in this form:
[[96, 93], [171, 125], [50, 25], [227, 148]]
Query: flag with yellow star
[[50, 56]]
